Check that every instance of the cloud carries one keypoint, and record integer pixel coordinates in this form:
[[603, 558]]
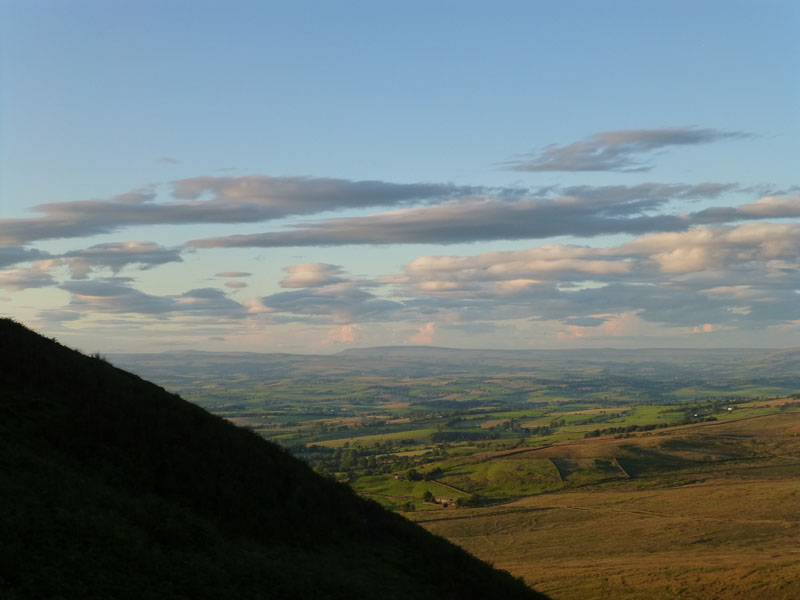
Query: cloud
[[619, 150], [329, 297], [743, 276], [644, 196], [742, 292], [586, 321], [117, 255], [74, 219], [254, 306], [246, 199], [341, 335], [601, 326], [772, 207], [752, 245], [233, 274], [749, 246], [424, 335], [337, 303], [117, 295], [308, 195], [740, 275], [21, 278], [54, 317], [448, 214], [12, 255], [587, 211], [553, 261], [768, 207], [311, 274], [209, 302]]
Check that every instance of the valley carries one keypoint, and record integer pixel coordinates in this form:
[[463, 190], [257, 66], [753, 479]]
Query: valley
[[592, 475]]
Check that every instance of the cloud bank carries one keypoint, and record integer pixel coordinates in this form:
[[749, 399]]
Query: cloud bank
[[689, 259], [246, 199], [597, 211]]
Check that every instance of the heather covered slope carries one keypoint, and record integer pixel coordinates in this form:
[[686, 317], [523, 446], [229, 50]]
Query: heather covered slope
[[113, 488]]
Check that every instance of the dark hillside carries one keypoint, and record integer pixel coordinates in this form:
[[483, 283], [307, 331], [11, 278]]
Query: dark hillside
[[112, 488]]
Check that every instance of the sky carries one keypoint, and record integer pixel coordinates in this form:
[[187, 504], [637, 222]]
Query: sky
[[313, 176]]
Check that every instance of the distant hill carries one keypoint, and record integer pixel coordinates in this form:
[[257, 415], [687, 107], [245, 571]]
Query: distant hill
[[562, 356], [112, 488], [726, 367]]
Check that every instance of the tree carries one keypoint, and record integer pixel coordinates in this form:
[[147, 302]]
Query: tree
[[473, 500], [428, 496]]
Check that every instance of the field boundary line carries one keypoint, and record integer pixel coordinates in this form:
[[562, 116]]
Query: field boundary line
[[452, 487], [620, 467], [387, 496], [558, 471]]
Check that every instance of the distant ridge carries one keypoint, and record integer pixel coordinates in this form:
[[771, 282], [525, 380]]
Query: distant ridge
[[112, 488], [563, 351], [728, 366]]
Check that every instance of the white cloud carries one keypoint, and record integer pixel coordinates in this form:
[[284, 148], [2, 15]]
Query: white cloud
[[772, 207], [345, 334], [704, 248], [312, 274], [424, 335], [21, 278]]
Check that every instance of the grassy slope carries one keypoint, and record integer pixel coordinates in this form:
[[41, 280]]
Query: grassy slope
[[710, 512], [113, 488]]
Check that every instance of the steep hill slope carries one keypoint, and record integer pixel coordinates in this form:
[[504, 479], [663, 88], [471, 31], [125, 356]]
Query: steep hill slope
[[111, 487]]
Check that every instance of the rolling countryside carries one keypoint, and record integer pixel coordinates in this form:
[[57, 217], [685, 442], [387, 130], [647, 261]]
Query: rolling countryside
[[607, 474]]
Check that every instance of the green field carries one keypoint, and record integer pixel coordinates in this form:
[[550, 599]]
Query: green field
[[503, 478], [394, 493]]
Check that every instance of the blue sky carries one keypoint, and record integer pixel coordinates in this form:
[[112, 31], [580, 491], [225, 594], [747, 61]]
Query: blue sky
[[309, 176]]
